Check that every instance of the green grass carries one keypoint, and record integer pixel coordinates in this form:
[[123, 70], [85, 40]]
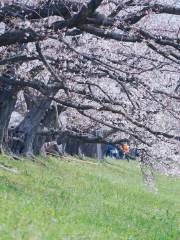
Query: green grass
[[77, 201]]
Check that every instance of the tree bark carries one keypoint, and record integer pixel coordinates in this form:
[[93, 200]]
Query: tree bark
[[50, 121], [41, 115], [27, 129], [8, 98]]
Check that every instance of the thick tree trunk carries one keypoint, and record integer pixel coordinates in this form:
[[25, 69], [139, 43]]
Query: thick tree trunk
[[50, 121], [40, 115], [8, 98], [38, 144], [27, 129]]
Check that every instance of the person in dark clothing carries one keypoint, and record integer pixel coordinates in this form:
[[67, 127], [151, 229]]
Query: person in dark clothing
[[112, 151]]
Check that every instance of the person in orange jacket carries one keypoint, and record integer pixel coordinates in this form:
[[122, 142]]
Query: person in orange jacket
[[125, 150]]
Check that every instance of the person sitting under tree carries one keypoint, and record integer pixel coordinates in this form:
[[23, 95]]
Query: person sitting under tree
[[124, 151]]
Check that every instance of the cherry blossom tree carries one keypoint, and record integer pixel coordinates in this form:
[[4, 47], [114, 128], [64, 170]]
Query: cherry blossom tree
[[112, 64]]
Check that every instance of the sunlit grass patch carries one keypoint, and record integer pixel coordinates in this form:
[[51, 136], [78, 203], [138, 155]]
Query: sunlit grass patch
[[70, 200]]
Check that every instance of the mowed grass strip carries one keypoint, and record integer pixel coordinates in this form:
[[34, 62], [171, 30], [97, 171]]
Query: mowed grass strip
[[74, 201]]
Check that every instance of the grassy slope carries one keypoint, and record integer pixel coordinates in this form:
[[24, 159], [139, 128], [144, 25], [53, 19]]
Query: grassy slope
[[76, 201]]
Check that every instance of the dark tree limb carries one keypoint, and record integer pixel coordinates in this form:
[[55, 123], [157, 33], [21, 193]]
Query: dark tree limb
[[20, 36]]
